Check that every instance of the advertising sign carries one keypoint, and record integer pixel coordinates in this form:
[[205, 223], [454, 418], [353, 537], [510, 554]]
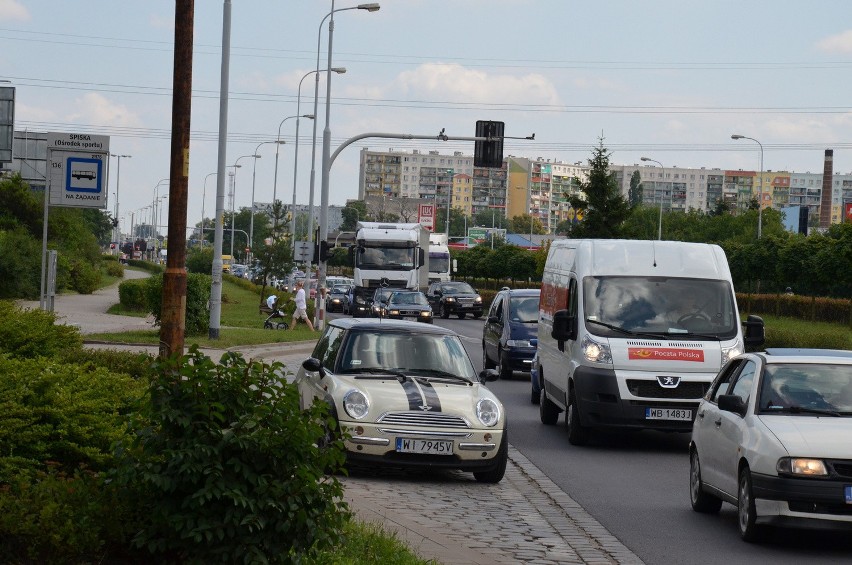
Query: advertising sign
[[849, 211], [426, 216]]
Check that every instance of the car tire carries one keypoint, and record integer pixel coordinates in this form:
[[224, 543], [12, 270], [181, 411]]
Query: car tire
[[486, 362], [746, 514], [701, 500], [495, 474], [577, 433], [502, 367], [461, 315], [445, 313], [547, 410]]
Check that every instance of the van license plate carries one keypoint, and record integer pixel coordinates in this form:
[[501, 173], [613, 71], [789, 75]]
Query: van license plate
[[667, 414], [428, 446]]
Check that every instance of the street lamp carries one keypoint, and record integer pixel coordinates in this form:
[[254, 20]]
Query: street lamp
[[203, 198], [154, 210], [340, 71], [760, 186], [326, 149], [236, 166], [660, 228], [117, 181], [253, 177]]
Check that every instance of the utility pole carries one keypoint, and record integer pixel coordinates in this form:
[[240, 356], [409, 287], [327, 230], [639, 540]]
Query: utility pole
[[173, 315]]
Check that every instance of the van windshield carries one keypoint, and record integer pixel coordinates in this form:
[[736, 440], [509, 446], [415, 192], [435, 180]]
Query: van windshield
[[666, 305]]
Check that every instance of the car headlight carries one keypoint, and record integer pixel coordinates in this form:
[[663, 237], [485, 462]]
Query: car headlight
[[729, 353], [595, 352], [335, 301], [356, 404], [394, 312], [451, 299], [478, 299], [801, 466], [518, 343], [488, 412], [426, 313]]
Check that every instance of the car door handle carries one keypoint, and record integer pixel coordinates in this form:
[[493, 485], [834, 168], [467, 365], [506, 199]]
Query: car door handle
[[718, 423], [701, 415]]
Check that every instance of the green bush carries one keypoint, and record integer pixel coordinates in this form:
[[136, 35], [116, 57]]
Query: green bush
[[197, 313], [114, 268], [65, 413], [199, 260], [20, 264], [227, 468], [85, 278], [812, 308], [28, 333], [135, 364], [132, 295]]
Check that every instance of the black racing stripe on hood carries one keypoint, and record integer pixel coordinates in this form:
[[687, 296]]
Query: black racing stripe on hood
[[412, 391], [430, 395]]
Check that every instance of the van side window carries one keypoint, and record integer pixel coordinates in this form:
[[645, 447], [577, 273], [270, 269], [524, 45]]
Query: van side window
[[572, 298]]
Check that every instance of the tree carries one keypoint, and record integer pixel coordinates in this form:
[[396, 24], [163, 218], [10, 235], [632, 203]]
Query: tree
[[635, 193], [457, 222], [526, 224], [354, 211], [604, 208]]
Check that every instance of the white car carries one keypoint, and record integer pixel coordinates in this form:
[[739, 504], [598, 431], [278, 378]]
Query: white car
[[405, 394], [773, 436]]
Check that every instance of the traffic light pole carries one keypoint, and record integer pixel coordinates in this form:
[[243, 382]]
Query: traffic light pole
[[320, 316]]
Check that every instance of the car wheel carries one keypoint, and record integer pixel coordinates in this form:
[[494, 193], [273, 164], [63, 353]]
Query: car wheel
[[547, 410], [577, 433], [495, 474], [445, 313], [504, 369], [461, 315], [701, 501], [486, 362], [746, 514]]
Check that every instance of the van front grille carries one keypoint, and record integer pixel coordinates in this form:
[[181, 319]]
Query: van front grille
[[652, 389]]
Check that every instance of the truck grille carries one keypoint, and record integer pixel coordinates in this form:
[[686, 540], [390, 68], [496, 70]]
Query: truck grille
[[652, 389]]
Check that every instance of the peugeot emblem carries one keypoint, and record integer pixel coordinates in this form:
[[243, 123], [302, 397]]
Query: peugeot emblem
[[668, 382], [425, 407]]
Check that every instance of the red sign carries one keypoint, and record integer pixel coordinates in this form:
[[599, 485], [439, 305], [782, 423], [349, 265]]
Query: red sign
[[426, 216], [665, 354]]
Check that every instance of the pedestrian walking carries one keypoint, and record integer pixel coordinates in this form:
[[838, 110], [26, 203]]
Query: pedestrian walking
[[301, 307]]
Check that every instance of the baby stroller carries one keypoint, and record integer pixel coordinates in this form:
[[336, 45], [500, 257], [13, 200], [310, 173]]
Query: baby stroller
[[276, 314]]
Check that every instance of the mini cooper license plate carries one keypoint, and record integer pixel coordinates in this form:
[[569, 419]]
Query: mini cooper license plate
[[668, 414], [427, 446], [848, 490]]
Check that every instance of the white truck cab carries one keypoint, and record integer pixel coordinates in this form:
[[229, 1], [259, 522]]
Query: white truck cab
[[631, 333]]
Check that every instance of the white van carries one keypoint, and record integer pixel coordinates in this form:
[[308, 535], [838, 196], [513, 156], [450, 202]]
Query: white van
[[631, 333]]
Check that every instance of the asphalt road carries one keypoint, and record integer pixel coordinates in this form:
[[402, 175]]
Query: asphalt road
[[636, 486]]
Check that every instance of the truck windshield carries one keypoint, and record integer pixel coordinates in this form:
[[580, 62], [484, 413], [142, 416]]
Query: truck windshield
[[439, 262], [387, 258], [666, 305]]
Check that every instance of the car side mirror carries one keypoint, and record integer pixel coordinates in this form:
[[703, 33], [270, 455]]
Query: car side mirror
[[755, 331], [732, 403], [488, 375], [313, 365], [563, 326]]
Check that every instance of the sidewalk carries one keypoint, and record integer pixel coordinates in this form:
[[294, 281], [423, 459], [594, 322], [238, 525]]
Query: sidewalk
[[446, 516]]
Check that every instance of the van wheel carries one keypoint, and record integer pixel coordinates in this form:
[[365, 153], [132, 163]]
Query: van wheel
[[503, 367], [547, 410], [577, 433]]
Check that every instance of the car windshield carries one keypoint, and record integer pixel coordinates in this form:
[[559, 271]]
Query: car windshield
[[523, 309], [665, 305], [409, 298], [382, 295], [340, 290], [405, 352], [457, 288], [803, 387]]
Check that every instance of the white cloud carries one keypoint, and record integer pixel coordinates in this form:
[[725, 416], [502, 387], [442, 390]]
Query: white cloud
[[839, 43], [12, 10], [159, 22], [96, 109], [27, 113], [456, 83]]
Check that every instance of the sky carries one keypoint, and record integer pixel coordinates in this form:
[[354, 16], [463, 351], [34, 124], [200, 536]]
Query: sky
[[667, 80]]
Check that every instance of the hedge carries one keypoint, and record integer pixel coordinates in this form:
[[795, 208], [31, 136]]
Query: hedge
[[810, 308]]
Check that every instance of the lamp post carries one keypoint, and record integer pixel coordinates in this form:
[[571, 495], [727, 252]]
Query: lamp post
[[236, 166], [660, 228], [154, 211], [760, 186], [250, 246], [203, 198], [340, 71], [326, 154], [449, 199], [117, 181], [275, 176]]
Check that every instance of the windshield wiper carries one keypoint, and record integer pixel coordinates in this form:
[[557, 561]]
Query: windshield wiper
[[802, 410], [625, 331], [377, 373], [438, 373]]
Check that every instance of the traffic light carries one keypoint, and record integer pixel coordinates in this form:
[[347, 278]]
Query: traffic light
[[488, 153], [804, 212], [325, 251]]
